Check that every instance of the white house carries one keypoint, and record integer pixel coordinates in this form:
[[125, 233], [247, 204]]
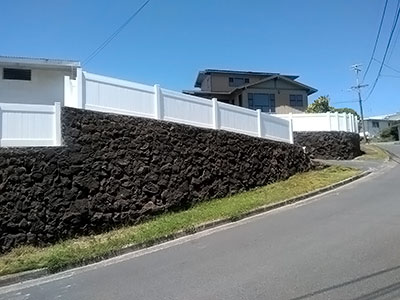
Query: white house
[[34, 80], [374, 125]]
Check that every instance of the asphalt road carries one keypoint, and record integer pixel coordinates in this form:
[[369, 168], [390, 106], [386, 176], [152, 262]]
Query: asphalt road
[[341, 245]]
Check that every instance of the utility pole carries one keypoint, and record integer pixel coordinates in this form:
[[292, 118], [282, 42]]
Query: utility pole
[[358, 87]]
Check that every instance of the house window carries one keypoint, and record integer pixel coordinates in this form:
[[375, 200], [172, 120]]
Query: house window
[[375, 124], [265, 102], [238, 81], [16, 74], [296, 100]]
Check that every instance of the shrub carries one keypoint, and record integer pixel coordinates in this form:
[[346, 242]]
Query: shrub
[[390, 134]]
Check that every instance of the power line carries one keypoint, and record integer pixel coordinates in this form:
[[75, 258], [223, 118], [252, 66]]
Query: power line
[[396, 37], [384, 56], [376, 40], [393, 76], [387, 66], [112, 36], [348, 101]]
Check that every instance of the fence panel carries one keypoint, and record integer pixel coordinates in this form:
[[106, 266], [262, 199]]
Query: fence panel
[[118, 96], [272, 126], [30, 125], [322, 122], [237, 119], [181, 108], [105, 94]]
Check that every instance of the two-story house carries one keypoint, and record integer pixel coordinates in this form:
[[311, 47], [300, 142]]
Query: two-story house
[[270, 92]]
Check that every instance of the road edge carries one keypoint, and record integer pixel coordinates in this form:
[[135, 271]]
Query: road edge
[[34, 274]]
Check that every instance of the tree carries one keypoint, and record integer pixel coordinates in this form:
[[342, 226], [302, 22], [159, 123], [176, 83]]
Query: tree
[[347, 110], [321, 105]]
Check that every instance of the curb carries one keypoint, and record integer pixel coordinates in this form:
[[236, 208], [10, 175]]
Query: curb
[[390, 154], [34, 274]]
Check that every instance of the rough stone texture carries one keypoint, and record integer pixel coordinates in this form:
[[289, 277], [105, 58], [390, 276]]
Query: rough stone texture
[[329, 144], [116, 170]]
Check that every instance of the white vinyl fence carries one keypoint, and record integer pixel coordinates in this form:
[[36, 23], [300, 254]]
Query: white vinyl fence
[[30, 125], [323, 122], [112, 95]]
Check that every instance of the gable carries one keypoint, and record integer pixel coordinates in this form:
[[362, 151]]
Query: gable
[[278, 83]]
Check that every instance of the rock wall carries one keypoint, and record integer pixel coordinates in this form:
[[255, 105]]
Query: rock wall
[[115, 170], [329, 144]]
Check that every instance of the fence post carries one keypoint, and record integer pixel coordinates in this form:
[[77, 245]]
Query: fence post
[[80, 87], [351, 122], [357, 125], [259, 124], [328, 114], [291, 139], [215, 113], [337, 121], [158, 103], [57, 124]]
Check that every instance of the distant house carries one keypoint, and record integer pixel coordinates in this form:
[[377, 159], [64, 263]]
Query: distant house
[[270, 92], [374, 125], [34, 80]]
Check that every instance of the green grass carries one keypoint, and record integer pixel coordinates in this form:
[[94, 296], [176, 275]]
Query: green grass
[[79, 250], [373, 152]]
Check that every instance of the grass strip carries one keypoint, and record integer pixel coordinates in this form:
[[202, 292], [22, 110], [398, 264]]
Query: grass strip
[[74, 251], [373, 152]]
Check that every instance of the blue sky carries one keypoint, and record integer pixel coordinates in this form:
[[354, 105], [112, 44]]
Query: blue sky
[[171, 40]]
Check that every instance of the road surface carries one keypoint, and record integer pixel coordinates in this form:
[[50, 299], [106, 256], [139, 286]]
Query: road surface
[[341, 245]]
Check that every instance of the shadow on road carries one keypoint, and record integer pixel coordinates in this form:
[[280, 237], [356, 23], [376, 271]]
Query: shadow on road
[[373, 295]]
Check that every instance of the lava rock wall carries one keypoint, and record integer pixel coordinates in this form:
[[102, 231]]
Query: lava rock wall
[[329, 144], [115, 170]]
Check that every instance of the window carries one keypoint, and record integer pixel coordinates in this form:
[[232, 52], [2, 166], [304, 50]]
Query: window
[[375, 124], [265, 102], [238, 81], [296, 100], [240, 100], [16, 74]]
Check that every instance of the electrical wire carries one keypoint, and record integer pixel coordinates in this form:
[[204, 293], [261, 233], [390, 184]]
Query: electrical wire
[[376, 40], [112, 36], [384, 56], [387, 66], [396, 37]]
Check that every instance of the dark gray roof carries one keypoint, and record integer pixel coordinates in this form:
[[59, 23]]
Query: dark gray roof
[[34, 61], [202, 74]]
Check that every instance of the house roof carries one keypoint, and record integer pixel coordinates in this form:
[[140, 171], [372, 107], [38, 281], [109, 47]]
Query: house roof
[[38, 62], [202, 74], [310, 90], [389, 117], [198, 92]]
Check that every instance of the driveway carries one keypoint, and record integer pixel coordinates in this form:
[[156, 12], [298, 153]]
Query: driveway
[[340, 245]]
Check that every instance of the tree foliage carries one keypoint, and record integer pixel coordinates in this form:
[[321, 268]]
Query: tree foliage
[[321, 105], [347, 110]]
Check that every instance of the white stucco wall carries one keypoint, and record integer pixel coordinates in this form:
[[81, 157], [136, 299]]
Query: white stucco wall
[[46, 87]]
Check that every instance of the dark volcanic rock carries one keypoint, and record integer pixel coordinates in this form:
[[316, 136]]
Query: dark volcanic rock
[[329, 144], [115, 170]]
